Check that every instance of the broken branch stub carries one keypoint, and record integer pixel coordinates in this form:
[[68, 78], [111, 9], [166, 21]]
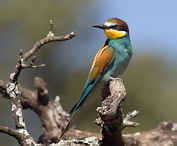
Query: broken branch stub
[[111, 114], [110, 111]]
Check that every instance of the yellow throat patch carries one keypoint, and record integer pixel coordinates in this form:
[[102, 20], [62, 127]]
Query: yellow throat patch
[[112, 34]]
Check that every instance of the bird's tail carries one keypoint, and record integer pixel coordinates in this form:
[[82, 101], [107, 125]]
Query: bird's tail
[[79, 105], [73, 117]]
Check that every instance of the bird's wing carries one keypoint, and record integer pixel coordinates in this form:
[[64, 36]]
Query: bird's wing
[[103, 58]]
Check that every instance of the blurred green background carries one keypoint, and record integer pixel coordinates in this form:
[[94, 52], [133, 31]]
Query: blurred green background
[[151, 78]]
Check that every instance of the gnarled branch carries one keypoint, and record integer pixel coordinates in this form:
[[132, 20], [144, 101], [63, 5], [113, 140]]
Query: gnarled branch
[[111, 118], [11, 89]]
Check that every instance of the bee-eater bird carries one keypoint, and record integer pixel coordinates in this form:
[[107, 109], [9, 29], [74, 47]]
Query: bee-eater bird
[[111, 61]]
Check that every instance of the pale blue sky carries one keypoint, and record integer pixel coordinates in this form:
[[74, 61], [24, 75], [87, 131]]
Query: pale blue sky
[[151, 22]]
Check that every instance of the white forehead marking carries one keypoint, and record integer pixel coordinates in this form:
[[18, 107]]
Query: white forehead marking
[[109, 24]]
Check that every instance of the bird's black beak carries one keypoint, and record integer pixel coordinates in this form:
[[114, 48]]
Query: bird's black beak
[[101, 26]]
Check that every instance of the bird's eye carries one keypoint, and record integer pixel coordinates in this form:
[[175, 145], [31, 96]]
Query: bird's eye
[[116, 27]]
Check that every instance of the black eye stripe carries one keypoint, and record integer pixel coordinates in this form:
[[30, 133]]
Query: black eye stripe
[[114, 27], [118, 27], [123, 28]]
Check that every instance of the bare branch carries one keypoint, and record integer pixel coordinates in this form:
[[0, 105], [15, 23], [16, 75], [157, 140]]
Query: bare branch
[[51, 26], [12, 89], [164, 134], [10, 131], [129, 116], [21, 61], [50, 38]]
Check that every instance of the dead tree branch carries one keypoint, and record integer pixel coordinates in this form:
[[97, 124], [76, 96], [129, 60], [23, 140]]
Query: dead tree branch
[[164, 134], [11, 88], [111, 119], [51, 113], [21, 61]]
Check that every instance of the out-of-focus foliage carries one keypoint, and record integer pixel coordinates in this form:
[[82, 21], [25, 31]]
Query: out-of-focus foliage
[[150, 80], [151, 88]]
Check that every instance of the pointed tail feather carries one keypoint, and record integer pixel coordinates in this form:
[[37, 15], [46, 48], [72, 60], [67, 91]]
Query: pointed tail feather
[[73, 117], [77, 108], [79, 105], [85, 93]]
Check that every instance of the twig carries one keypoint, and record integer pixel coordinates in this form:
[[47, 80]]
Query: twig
[[10, 131], [128, 117], [51, 26], [50, 38], [21, 61]]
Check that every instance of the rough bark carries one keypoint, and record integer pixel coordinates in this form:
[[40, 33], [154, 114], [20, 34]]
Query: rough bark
[[111, 119]]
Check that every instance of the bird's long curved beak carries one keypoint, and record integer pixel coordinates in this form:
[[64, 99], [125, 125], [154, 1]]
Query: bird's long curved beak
[[102, 26]]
